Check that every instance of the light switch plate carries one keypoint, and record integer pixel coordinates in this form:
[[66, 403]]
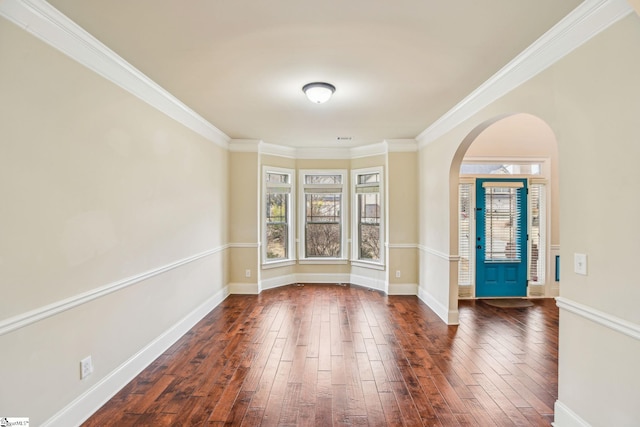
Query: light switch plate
[[580, 264]]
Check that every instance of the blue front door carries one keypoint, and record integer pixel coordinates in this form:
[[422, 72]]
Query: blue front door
[[501, 237]]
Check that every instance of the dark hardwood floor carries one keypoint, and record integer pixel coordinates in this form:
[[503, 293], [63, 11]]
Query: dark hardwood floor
[[322, 355]]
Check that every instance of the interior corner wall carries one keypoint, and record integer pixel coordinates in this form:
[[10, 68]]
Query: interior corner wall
[[244, 216], [114, 227], [402, 179], [591, 100]]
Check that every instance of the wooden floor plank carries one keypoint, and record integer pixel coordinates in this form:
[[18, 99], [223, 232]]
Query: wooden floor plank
[[345, 355]]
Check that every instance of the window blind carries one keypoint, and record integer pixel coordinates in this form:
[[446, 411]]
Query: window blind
[[502, 218]]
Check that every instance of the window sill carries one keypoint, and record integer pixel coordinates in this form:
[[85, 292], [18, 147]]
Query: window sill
[[365, 264], [323, 261], [277, 264]]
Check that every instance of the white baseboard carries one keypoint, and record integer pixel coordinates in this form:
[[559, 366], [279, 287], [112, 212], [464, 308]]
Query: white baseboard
[[322, 278], [244, 288], [450, 317], [403, 289], [565, 417], [90, 401], [368, 282], [290, 279], [276, 282]]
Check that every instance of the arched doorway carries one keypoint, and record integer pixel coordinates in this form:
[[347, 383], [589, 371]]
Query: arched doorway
[[510, 161]]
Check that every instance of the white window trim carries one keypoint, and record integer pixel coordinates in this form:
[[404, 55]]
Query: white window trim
[[344, 208], [291, 252], [355, 241], [545, 162]]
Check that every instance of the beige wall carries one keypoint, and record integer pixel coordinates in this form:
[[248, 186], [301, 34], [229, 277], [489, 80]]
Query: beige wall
[[277, 161], [590, 99], [244, 173], [97, 188], [599, 171], [403, 217]]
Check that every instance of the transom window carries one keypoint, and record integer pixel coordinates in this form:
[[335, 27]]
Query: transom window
[[495, 168]]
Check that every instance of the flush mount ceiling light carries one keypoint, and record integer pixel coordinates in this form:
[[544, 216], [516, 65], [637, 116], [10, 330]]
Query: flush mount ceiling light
[[318, 92]]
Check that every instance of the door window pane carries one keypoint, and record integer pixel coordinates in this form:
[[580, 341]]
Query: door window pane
[[502, 222]]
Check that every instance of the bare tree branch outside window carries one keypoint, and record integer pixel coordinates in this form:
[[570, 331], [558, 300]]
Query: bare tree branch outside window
[[323, 228], [369, 226]]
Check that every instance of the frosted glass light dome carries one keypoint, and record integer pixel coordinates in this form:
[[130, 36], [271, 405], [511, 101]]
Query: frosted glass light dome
[[318, 92]]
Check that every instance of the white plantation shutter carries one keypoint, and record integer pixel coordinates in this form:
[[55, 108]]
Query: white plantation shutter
[[465, 239], [537, 232]]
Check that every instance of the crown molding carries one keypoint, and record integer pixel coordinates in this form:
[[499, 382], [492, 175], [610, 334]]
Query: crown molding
[[244, 145], [377, 149], [48, 24], [323, 153], [277, 150], [342, 153], [584, 22], [402, 145]]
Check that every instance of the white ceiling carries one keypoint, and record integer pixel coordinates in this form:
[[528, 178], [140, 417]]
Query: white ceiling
[[241, 64]]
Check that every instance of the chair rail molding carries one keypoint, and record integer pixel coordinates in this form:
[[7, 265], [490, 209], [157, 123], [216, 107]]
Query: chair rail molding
[[40, 313], [604, 319]]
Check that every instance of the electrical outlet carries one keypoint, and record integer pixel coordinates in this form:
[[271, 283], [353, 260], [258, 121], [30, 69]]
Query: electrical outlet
[[247, 273], [86, 367], [397, 274]]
